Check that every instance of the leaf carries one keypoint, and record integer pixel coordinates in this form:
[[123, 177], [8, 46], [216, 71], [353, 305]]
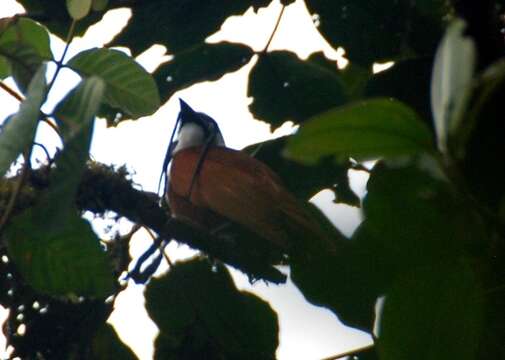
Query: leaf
[[415, 92], [199, 311], [204, 62], [435, 224], [302, 180], [285, 88], [4, 68], [364, 130], [18, 132], [55, 250], [450, 84], [24, 44], [75, 114], [130, 88], [433, 313], [78, 9], [58, 256], [179, 26], [369, 33], [25, 31], [107, 345], [54, 15], [99, 5]]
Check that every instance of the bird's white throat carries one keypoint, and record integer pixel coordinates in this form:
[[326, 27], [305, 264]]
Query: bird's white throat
[[192, 134]]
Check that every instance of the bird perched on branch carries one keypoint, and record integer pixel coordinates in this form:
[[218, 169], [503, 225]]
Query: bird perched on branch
[[211, 186]]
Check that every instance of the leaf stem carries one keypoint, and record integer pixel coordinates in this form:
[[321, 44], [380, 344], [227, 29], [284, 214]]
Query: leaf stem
[[59, 63], [11, 91], [275, 29]]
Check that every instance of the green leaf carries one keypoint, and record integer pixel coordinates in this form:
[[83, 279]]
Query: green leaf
[[75, 115], [178, 26], [5, 69], [18, 132], [199, 311], [99, 5], [365, 130], [58, 256], [433, 313], [204, 62], [24, 44], [286, 88], [54, 249], [450, 84], [29, 33], [78, 9], [130, 88]]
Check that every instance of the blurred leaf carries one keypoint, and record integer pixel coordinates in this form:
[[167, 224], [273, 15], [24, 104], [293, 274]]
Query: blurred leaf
[[408, 81], [54, 249], [78, 9], [199, 311], [29, 33], [433, 313], [365, 130], [130, 88], [24, 44], [18, 132], [107, 345], [58, 256], [450, 84], [286, 88], [179, 25], [5, 70], [375, 31], [54, 15], [99, 5], [75, 114], [434, 223], [302, 180], [204, 62]]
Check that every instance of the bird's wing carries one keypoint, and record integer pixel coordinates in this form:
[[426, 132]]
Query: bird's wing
[[238, 187]]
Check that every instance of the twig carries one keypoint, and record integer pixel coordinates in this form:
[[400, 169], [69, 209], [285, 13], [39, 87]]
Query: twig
[[11, 91], [350, 352], [59, 63], [275, 29]]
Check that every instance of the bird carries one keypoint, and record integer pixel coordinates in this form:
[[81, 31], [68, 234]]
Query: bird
[[211, 186]]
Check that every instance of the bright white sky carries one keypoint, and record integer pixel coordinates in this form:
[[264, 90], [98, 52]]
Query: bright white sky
[[307, 332]]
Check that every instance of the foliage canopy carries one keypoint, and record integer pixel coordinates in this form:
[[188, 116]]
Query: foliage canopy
[[432, 243]]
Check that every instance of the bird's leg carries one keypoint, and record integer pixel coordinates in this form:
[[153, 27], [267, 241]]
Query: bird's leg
[[199, 164]]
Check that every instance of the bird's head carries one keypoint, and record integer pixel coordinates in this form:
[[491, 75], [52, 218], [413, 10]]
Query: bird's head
[[192, 129]]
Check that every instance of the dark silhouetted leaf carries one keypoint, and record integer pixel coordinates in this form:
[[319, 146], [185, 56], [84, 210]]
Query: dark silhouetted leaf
[[407, 81], [179, 25], [130, 88], [364, 130], [204, 62], [107, 345], [433, 313], [286, 88], [374, 31], [199, 311], [55, 16], [18, 132]]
